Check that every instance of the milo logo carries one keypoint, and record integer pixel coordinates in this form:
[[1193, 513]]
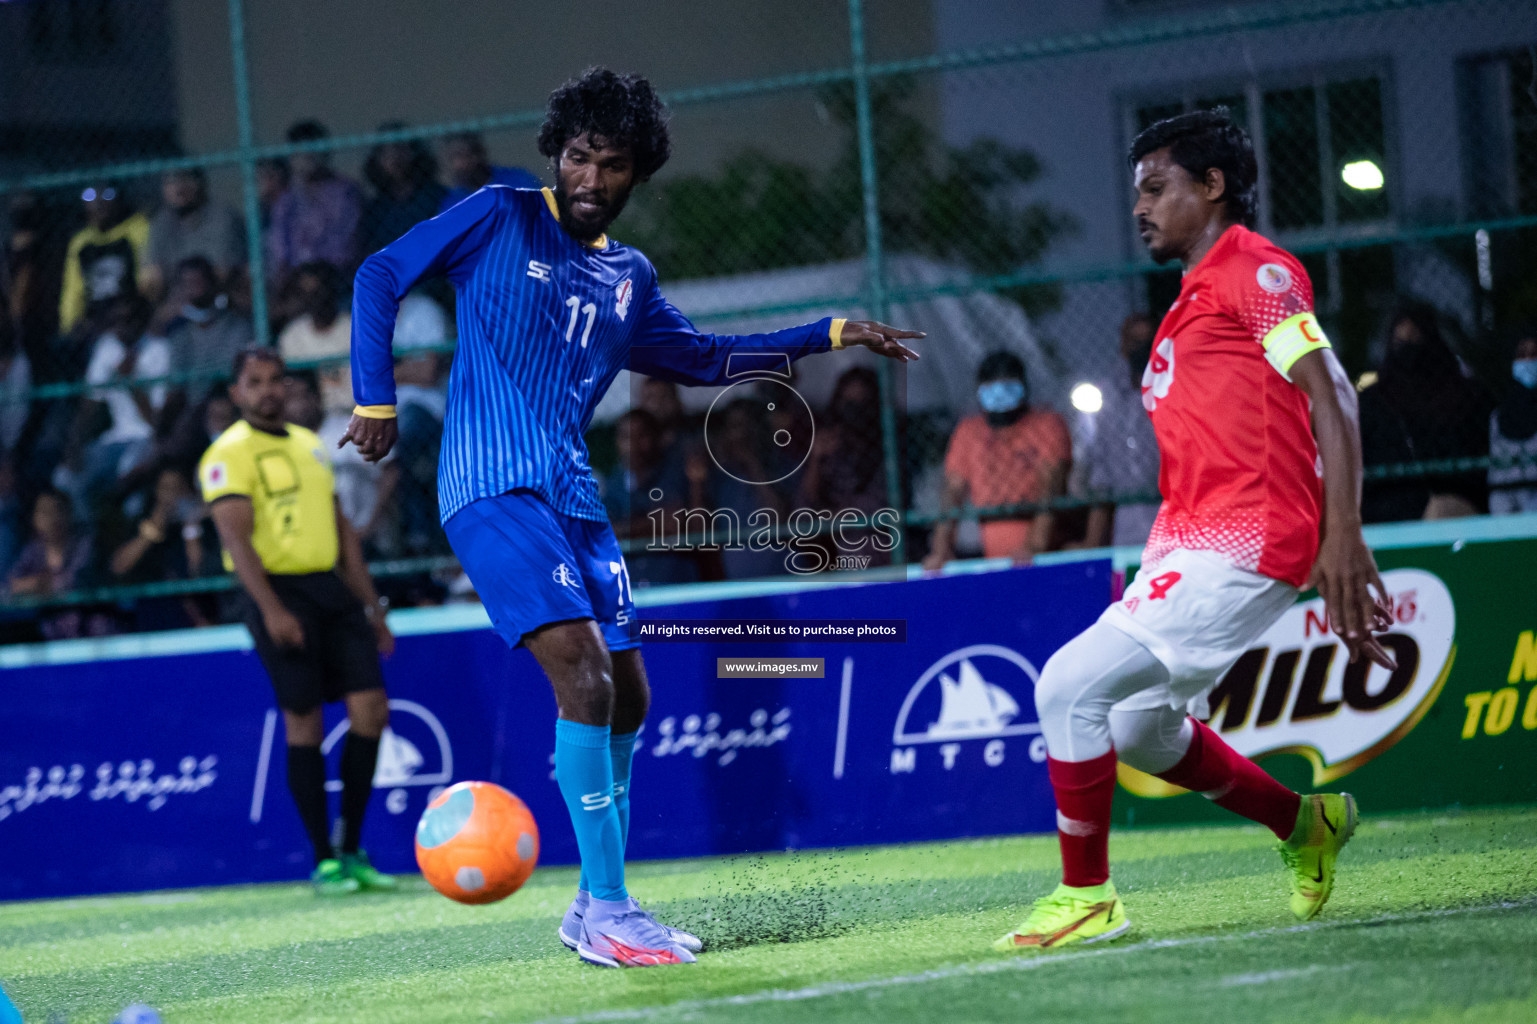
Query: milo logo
[[1296, 691]]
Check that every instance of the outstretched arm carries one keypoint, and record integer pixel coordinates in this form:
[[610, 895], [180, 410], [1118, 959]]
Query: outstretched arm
[[1345, 572], [667, 345], [450, 243]]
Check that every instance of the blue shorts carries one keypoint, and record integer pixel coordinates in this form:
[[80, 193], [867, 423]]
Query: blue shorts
[[532, 566]]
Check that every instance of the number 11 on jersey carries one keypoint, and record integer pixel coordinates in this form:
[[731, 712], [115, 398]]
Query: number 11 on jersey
[[590, 311]]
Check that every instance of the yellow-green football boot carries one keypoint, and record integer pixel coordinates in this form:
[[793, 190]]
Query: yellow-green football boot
[[1325, 823], [1069, 915]]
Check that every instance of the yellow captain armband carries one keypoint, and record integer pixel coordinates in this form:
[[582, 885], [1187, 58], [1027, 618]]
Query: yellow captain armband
[[375, 412], [835, 331], [1293, 338]]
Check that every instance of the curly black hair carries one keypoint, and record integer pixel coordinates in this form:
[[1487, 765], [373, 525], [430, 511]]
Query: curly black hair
[[1201, 140], [617, 108]]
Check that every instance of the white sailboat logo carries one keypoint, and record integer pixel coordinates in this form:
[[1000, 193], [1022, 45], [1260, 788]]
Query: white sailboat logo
[[971, 706], [398, 759]]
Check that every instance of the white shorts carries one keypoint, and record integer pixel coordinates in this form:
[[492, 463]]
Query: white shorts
[[1197, 614]]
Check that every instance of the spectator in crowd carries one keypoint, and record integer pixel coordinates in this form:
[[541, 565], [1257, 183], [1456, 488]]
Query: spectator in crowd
[[847, 464], [301, 400], [662, 400], [206, 334], [469, 169], [406, 191], [167, 544], [421, 401], [55, 561], [187, 225], [1123, 455], [15, 390], [33, 266], [203, 340], [1422, 406], [123, 355], [642, 496], [272, 180], [322, 330], [1513, 436], [1011, 454], [316, 219], [107, 260], [742, 482]]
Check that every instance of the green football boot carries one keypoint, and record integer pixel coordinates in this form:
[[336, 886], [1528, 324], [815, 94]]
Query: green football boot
[[331, 879], [1069, 915], [358, 869], [1325, 823]]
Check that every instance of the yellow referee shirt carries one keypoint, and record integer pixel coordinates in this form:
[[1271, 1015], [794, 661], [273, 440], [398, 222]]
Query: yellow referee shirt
[[292, 490]]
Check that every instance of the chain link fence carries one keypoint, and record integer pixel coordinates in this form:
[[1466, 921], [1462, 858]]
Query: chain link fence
[[964, 177]]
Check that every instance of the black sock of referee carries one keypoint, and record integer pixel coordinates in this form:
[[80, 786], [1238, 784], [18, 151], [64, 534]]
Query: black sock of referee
[[307, 783], [359, 757]]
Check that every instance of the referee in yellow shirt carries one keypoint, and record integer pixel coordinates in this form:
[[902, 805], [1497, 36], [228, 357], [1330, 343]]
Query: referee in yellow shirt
[[310, 605]]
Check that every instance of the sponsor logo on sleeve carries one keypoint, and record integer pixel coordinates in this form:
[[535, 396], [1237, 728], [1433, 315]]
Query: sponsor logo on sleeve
[[1274, 278]]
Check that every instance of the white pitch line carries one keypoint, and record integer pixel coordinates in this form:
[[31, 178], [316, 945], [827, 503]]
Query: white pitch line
[[1027, 963]]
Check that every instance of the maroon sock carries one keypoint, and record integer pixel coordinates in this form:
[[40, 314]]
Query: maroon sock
[[1228, 779], [1084, 790]]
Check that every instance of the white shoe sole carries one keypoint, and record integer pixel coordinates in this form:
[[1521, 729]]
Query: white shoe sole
[[683, 939], [1111, 934]]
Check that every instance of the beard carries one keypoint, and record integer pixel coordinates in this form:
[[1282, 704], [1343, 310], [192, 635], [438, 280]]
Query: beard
[[587, 230]]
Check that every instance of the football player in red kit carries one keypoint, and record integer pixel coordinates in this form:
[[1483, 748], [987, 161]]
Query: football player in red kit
[[1261, 480]]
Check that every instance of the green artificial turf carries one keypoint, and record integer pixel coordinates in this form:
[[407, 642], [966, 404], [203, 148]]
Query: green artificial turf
[[1434, 919]]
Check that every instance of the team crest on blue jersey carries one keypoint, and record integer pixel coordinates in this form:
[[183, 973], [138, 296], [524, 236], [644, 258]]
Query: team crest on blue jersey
[[622, 293]]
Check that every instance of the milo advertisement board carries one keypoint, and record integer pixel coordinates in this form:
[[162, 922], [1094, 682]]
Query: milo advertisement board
[[1454, 723]]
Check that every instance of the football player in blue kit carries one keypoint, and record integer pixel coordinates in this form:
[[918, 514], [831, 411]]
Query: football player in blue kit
[[550, 309]]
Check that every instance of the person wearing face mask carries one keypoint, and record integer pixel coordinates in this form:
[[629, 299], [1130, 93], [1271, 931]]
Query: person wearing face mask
[[1123, 455], [206, 334], [1010, 454], [1513, 436]]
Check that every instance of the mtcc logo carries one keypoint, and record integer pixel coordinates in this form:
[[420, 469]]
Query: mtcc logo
[[563, 575], [983, 692], [413, 751]]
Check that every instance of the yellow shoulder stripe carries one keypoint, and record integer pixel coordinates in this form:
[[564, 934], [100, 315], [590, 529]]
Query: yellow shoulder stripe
[[1293, 338]]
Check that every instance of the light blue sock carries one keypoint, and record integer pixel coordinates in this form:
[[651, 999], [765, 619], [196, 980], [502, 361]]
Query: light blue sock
[[621, 750], [585, 774]]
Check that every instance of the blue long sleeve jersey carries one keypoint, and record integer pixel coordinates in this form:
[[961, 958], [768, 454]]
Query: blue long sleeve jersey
[[545, 324]]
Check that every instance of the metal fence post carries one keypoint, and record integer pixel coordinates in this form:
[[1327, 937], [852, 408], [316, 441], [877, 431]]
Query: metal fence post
[[875, 266], [246, 136]]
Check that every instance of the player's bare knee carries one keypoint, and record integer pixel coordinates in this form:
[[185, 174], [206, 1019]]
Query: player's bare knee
[[303, 728], [368, 713], [632, 692]]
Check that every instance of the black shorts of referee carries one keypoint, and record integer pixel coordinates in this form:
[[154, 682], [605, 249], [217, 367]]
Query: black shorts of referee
[[340, 653]]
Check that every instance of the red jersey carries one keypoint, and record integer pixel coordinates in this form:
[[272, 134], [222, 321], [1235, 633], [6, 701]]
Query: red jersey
[[1240, 474]]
